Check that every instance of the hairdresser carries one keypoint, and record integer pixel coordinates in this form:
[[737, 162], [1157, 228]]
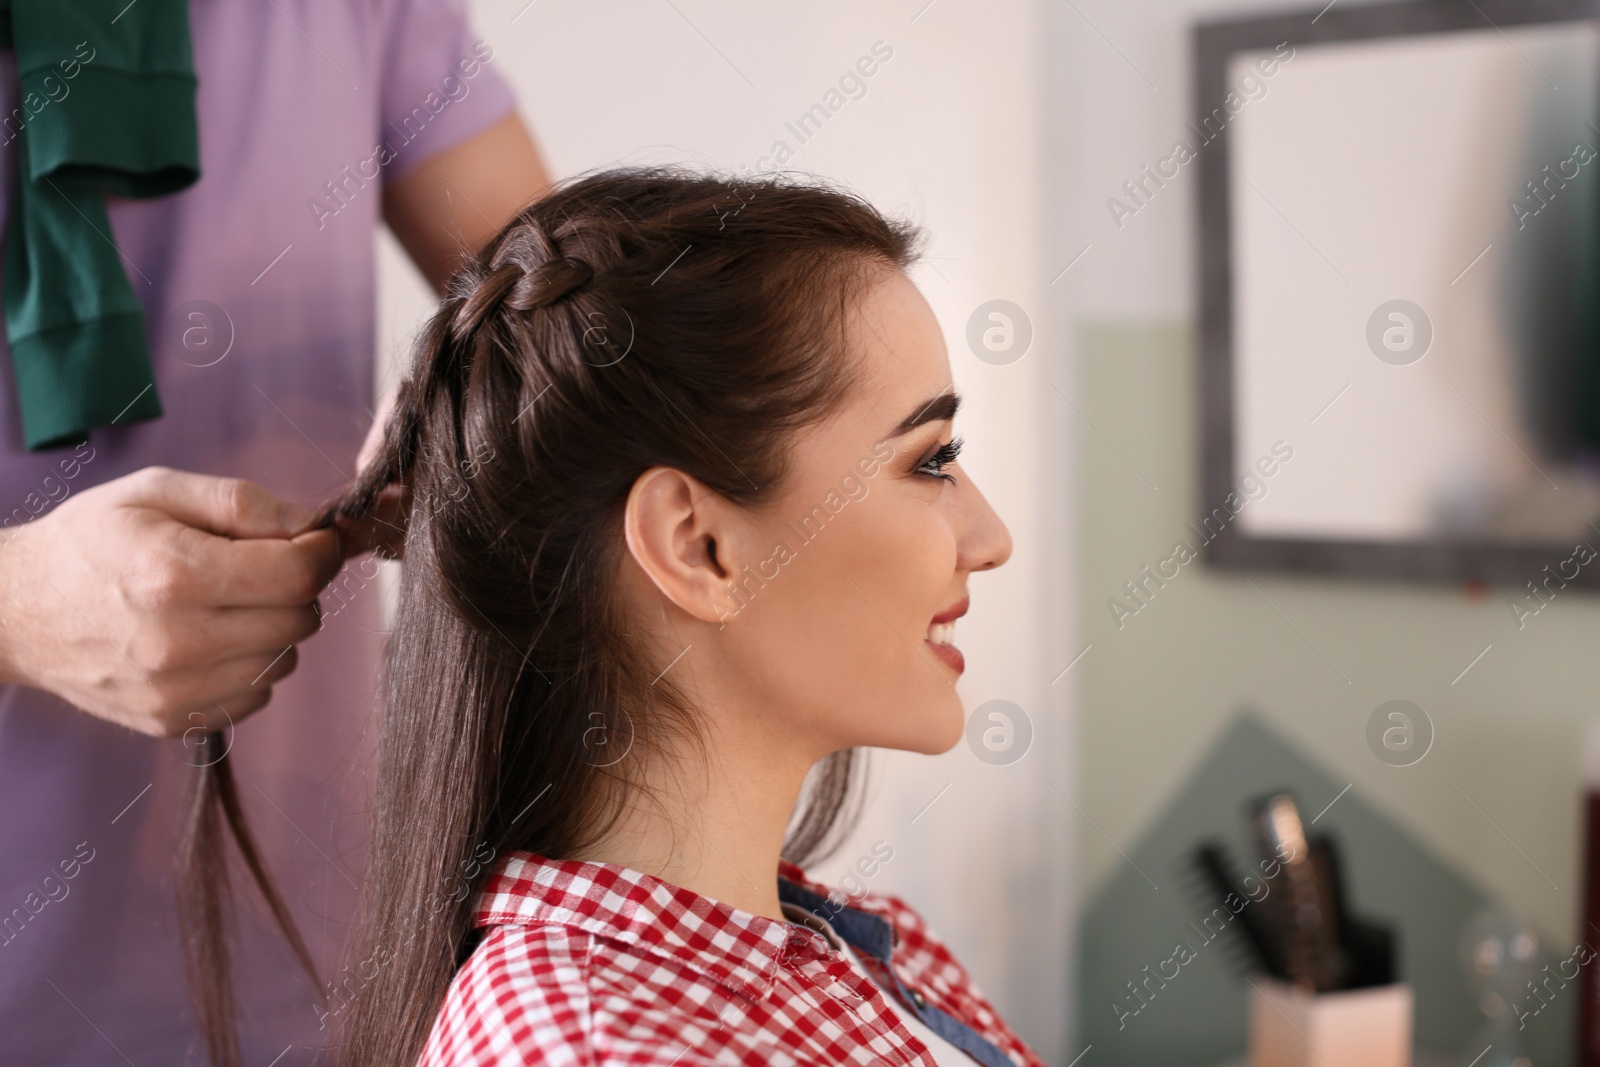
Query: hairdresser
[[193, 190]]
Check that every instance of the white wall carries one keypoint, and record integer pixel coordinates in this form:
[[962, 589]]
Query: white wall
[[949, 133], [1126, 70]]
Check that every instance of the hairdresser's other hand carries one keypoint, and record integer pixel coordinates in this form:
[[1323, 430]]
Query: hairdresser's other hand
[[382, 531], [162, 600]]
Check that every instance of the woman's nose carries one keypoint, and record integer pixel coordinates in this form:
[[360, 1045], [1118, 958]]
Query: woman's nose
[[986, 542]]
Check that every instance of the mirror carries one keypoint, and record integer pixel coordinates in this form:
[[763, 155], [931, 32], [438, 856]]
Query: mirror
[[1400, 271]]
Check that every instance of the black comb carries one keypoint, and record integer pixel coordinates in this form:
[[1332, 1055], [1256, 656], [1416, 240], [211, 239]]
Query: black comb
[[1214, 881]]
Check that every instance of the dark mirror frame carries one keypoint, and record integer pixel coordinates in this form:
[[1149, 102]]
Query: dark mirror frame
[[1215, 43]]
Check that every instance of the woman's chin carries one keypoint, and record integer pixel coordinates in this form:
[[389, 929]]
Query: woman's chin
[[933, 734]]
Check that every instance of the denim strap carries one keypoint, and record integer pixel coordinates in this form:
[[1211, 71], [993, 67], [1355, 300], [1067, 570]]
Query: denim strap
[[873, 935]]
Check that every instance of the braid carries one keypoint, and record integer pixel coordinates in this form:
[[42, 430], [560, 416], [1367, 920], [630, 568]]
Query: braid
[[476, 295], [519, 288]]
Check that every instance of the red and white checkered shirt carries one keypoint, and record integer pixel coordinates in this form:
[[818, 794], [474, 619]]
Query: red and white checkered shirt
[[594, 964]]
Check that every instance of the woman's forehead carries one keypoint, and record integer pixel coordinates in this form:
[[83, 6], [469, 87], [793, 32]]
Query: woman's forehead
[[896, 338]]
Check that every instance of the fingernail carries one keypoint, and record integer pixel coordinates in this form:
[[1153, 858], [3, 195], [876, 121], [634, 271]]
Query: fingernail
[[295, 517]]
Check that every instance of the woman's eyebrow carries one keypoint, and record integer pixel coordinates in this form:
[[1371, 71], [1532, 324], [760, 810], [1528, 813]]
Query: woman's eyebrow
[[944, 406]]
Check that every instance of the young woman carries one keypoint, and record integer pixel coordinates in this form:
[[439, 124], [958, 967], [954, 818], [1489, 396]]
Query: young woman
[[683, 529]]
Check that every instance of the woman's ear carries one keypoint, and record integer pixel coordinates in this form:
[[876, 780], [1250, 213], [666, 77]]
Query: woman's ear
[[685, 538]]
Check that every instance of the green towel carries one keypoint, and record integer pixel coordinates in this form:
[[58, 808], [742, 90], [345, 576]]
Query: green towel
[[106, 105]]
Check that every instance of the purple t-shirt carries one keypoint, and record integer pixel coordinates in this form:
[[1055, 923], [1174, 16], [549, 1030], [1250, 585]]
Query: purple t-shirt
[[258, 285]]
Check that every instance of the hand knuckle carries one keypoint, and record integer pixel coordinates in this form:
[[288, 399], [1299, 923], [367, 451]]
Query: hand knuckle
[[147, 483], [138, 652], [155, 585], [152, 476], [167, 653], [233, 495]]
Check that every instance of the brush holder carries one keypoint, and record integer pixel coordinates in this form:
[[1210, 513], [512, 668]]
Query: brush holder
[[1354, 1028]]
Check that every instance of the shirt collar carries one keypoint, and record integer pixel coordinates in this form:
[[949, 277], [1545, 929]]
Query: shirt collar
[[862, 927], [737, 948], [800, 915]]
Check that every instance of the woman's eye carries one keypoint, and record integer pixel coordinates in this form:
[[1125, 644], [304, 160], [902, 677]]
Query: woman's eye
[[934, 466]]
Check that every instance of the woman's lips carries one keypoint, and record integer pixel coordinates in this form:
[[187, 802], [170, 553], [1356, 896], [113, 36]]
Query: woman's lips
[[954, 611], [950, 654]]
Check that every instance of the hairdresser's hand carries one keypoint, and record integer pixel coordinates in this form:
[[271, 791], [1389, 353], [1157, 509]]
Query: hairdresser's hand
[[384, 530], [162, 600]]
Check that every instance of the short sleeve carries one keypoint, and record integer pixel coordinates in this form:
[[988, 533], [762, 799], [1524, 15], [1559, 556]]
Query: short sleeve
[[440, 83]]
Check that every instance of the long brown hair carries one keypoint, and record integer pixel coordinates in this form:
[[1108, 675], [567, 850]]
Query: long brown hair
[[213, 815], [631, 318]]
